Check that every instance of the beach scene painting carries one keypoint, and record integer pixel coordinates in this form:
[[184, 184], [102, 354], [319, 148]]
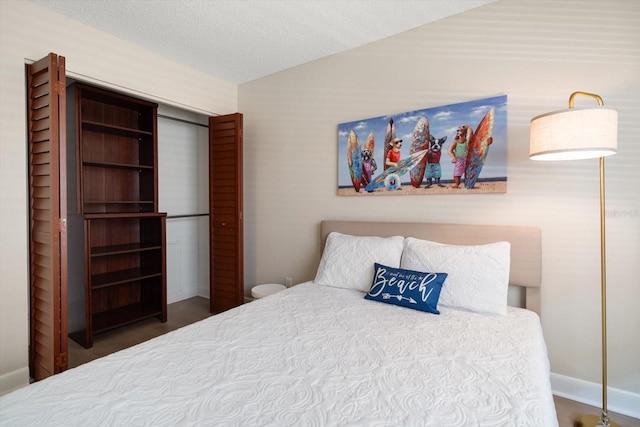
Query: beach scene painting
[[450, 149]]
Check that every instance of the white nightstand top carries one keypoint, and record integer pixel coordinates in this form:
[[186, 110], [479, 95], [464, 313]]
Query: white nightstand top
[[262, 291]]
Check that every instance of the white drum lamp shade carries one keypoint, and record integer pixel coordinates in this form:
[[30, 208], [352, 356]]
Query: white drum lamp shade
[[574, 133]]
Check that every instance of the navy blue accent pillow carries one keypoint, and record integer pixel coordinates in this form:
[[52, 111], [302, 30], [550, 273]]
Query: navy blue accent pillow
[[407, 288]]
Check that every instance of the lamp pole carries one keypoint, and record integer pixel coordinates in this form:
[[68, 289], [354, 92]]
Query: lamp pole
[[603, 419]]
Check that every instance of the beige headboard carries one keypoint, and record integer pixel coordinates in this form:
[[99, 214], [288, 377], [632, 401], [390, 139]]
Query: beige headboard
[[526, 248]]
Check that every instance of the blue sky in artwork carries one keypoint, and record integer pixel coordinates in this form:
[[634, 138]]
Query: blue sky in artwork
[[443, 120]]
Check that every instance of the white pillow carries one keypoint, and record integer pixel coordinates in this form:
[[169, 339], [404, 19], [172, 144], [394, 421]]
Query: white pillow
[[348, 261], [478, 276]]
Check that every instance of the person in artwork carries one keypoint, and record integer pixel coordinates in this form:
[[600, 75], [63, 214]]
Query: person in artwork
[[458, 152], [393, 157]]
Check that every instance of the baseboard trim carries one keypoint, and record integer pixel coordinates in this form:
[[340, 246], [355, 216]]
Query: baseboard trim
[[620, 401], [14, 380]]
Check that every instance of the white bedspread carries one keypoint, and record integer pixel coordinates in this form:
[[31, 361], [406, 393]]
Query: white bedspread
[[310, 356]]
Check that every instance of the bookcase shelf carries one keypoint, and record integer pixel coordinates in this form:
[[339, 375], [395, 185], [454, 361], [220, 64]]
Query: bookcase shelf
[[117, 165], [122, 249], [106, 320], [114, 278], [114, 130]]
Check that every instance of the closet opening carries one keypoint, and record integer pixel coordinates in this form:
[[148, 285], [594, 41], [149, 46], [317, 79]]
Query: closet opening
[[147, 203]]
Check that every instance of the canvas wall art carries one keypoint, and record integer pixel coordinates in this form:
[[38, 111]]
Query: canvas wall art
[[451, 149]]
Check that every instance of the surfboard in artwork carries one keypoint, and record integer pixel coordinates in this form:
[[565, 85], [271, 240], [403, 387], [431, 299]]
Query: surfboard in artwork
[[354, 159], [404, 166], [478, 149], [419, 142]]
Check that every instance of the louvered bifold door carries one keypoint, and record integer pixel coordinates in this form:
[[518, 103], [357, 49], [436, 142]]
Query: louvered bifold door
[[226, 221], [47, 215]]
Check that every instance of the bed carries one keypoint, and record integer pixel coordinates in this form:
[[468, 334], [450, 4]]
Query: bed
[[321, 354]]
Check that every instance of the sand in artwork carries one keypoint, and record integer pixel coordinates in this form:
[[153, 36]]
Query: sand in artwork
[[408, 190]]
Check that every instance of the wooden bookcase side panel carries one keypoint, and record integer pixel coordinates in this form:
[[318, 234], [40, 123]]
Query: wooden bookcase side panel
[[85, 337]]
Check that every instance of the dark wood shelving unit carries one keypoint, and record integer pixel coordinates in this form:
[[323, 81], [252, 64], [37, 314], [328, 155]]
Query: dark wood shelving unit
[[116, 199]]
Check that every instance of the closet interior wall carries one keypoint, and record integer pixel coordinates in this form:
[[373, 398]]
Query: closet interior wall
[[183, 185]]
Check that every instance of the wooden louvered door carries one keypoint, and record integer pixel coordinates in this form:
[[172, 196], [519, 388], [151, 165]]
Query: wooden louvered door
[[226, 221], [47, 215]]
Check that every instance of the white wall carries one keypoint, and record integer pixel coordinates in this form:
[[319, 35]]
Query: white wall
[[536, 52], [29, 32]]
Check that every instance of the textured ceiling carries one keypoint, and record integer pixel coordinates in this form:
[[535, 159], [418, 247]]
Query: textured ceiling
[[242, 40]]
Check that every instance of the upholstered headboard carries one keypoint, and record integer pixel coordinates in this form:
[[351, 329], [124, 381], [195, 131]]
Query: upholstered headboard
[[526, 248]]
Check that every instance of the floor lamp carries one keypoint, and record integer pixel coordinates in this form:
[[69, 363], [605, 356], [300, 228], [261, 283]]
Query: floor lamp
[[582, 133]]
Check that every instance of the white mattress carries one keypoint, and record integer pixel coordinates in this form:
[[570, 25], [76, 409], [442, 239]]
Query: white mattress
[[310, 356]]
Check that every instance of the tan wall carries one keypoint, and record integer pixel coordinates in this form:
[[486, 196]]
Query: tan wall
[[536, 52], [29, 32]]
